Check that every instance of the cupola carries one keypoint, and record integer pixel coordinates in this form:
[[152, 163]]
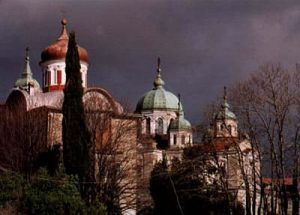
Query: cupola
[[225, 120], [158, 98], [53, 62], [58, 49], [27, 82], [180, 123], [180, 129]]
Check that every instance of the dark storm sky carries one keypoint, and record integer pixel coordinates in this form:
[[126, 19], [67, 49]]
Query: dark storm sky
[[203, 44]]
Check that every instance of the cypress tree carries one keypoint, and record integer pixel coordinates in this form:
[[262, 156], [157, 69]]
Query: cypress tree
[[76, 137]]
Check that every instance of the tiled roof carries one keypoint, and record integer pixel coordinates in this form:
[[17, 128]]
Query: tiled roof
[[221, 144], [286, 181]]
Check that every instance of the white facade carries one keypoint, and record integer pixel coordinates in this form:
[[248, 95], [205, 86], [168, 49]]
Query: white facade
[[157, 121], [180, 139], [226, 128], [54, 73]]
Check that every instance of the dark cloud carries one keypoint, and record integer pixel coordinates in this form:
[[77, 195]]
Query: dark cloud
[[204, 45]]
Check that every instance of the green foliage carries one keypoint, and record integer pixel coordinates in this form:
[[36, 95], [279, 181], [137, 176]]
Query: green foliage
[[57, 195], [76, 138], [11, 186], [44, 194], [53, 195]]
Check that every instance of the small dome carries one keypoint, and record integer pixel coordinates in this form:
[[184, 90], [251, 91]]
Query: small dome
[[180, 123], [23, 84], [27, 81], [58, 49], [225, 113]]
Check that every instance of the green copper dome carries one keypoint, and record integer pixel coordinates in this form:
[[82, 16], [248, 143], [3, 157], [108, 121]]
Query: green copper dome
[[225, 113], [158, 98], [180, 123], [26, 81]]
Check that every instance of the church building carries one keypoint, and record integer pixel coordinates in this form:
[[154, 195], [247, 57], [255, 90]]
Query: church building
[[32, 118], [164, 134], [157, 129], [32, 115]]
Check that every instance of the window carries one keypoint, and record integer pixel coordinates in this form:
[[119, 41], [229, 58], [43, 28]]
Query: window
[[48, 78], [175, 139], [229, 129], [59, 77], [54, 76], [45, 78], [171, 122], [159, 126], [148, 125], [222, 127], [182, 139]]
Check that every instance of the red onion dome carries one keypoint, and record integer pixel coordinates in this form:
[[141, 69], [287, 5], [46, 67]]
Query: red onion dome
[[58, 49]]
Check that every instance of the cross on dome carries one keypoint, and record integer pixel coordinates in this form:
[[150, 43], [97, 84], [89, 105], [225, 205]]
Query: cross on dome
[[158, 82], [225, 104], [64, 32], [27, 70]]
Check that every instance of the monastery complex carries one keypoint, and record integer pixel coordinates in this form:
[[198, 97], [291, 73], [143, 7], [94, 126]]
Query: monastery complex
[[157, 128]]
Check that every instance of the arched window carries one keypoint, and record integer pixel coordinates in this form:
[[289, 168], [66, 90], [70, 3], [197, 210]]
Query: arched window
[[48, 78], [148, 125], [58, 77], [171, 121], [175, 139], [159, 126], [45, 78], [229, 129], [182, 139], [54, 76], [222, 127]]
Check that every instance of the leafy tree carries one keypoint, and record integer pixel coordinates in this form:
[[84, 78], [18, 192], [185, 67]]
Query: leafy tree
[[57, 195], [76, 138], [53, 195], [161, 190], [44, 194], [185, 187]]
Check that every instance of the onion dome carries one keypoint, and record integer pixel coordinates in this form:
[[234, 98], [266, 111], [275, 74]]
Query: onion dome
[[180, 123], [27, 81], [58, 49], [158, 98], [225, 113]]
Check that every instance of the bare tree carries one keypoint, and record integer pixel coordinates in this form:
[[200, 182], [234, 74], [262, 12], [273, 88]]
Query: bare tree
[[114, 136], [23, 137], [265, 104]]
